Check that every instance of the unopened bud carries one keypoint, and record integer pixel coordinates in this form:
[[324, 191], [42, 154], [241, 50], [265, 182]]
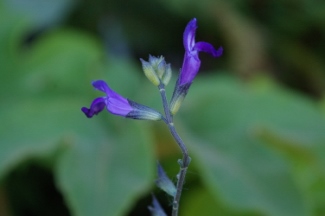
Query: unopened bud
[[150, 72], [161, 67], [168, 75], [157, 70]]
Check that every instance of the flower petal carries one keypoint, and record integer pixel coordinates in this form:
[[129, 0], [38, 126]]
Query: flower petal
[[96, 107], [190, 68], [208, 48], [118, 106], [101, 85], [189, 35], [115, 103]]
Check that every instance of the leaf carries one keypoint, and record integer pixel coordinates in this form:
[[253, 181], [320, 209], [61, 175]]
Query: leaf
[[238, 165], [104, 177], [39, 12], [102, 165], [61, 62], [100, 172], [36, 128], [201, 202], [12, 29]]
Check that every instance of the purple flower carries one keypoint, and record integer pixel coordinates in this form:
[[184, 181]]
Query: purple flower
[[191, 64], [118, 105]]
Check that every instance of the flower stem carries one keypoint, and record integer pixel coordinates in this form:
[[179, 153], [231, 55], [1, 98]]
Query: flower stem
[[184, 163]]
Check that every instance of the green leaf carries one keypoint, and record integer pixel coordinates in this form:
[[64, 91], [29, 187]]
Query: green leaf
[[61, 62], [239, 165], [39, 12], [37, 128], [104, 177], [100, 169], [201, 202], [12, 29]]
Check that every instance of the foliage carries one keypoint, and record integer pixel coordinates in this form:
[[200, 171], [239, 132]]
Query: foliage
[[257, 147]]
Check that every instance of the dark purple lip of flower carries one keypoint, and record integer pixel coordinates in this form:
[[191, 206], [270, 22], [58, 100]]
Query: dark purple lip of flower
[[192, 63], [96, 107]]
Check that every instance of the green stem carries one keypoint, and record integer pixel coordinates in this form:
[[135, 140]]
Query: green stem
[[184, 163]]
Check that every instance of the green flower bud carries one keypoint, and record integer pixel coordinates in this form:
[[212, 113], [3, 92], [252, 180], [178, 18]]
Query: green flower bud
[[161, 68], [167, 75], [150, 72], [157, 70]]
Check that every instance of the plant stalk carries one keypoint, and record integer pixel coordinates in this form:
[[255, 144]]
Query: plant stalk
[[184, 163]]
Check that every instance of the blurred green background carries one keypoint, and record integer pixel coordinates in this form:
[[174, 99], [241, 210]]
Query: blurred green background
[[254, 119]]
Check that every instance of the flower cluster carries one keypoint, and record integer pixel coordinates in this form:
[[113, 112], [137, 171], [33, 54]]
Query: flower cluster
[[159, 73], [157, 70]]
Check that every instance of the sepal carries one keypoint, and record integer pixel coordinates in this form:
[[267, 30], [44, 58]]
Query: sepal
[[167, 75], [142, 112], [179, 94], [150, 72]]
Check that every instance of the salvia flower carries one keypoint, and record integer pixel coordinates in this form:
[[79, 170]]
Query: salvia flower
[[191, 63], [157, 70], [118, 105]]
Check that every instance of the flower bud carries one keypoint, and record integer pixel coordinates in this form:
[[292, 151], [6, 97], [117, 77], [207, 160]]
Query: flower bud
[[168, 75], [161, 67], [157, 70], [150, 72]]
